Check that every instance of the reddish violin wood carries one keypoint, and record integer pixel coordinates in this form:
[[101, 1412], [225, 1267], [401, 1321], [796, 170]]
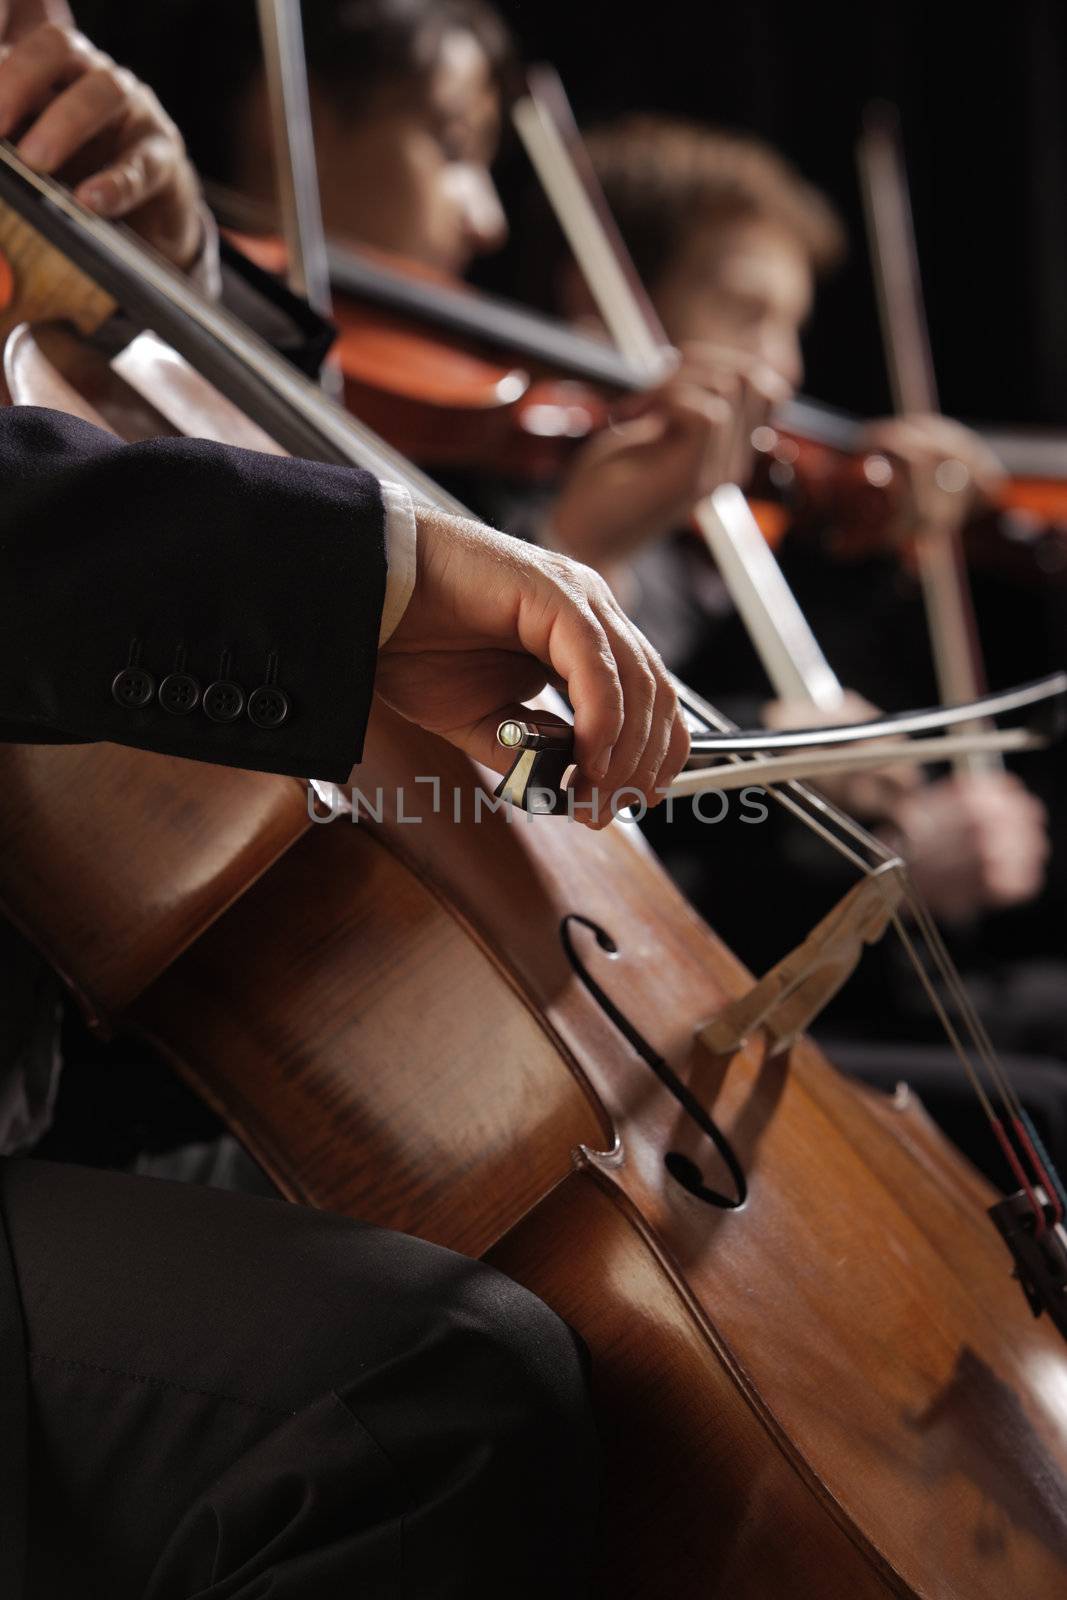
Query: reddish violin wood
[[440, 398]]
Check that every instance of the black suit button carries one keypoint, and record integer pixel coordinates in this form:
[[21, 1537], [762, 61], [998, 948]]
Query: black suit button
[[268, 707], [223, 701], [133, 688], [179, 693]]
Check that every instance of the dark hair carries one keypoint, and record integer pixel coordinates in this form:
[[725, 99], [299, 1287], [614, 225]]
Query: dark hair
[[207, 56], [359, 47], [661, 175]]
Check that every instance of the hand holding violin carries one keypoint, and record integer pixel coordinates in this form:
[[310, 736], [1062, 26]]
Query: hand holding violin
[[491, 621], [77, 115], [640, 479], [944, 470]]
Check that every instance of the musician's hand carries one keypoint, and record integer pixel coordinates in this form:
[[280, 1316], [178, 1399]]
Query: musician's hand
[[77, 115], [871, 794], [640, 478], [492, 620], [944, 470], [751, 388], [974, 842]]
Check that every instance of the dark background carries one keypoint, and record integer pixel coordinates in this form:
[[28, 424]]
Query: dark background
[[982, 106], [986, 138]]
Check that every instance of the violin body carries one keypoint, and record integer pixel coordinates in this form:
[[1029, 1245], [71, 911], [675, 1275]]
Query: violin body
[[443, 398], [852, 501], [833, 1389], [517, 408], [446, 405]]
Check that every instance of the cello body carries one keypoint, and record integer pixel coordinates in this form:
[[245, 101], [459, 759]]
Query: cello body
[[833, 1389]]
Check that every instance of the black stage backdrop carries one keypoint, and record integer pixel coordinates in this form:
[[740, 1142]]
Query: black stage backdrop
[[981, 95]]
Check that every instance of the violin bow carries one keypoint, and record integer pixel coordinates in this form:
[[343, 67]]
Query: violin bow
[[788, 649], [909, 361], [724, 757], [285, 66]]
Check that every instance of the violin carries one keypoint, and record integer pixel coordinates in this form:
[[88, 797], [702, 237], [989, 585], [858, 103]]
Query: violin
[[457, 378], [797, 1313], [453, 377]]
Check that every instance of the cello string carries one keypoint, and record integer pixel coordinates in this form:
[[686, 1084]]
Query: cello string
[[1003, 1134], [834, 826], [1019, 1120]]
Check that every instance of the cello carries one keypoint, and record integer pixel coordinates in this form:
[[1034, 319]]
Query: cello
[[812, 1370]]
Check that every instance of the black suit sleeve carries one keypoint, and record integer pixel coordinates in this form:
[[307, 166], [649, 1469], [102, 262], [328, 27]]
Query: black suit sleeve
[[185, 597]]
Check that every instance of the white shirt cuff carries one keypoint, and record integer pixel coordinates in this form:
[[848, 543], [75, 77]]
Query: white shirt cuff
[[400, 555]]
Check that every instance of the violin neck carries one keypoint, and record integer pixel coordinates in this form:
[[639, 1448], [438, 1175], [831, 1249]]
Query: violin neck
[[484, 318], [286, 405], [456, 310]]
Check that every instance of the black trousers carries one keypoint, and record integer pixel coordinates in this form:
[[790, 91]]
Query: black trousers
[[230, 1397]]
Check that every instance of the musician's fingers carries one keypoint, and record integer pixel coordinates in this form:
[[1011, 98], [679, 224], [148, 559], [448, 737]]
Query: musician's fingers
[[145, 170], [656, 762], [77, 115], [45, 60]]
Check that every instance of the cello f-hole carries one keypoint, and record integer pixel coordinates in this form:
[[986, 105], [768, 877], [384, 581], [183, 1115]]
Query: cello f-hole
[[681, 1167]]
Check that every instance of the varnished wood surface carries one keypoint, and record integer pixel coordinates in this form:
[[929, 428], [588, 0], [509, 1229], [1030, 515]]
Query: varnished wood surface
[[377, 1061], [757, 1532], [860, 1302], [113, 859]]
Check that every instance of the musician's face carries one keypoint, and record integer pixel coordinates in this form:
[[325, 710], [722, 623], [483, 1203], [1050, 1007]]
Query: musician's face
[[746, 284], [412, 176]]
